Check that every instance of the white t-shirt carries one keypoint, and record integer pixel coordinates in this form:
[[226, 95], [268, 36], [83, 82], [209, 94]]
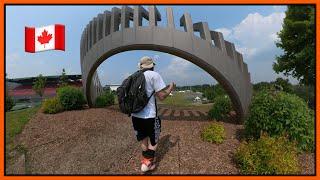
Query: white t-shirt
[[154, 82]]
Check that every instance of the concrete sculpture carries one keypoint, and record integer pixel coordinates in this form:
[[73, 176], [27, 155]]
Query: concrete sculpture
[[110, 33]]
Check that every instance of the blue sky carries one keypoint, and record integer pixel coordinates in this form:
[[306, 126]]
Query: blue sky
[[252, 28]]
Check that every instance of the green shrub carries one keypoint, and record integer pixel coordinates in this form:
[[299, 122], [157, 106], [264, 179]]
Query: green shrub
[[214, 133], [9, 103], [52, 106], [262, 86], [267, 156], [71, 98], [278, 113], [104, 100], [221, 107], [212, 92], [307, 93], [284, 85]]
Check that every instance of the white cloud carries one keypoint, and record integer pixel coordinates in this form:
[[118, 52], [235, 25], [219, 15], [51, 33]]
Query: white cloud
[[156, 57], [178, 68], [183, 72], [226, 32], [255, 33]]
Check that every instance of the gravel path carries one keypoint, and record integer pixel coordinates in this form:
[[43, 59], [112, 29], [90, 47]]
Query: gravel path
[[102, 141]]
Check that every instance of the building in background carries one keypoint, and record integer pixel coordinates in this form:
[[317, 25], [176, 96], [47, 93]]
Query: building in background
[[21, 88], [112, 87]]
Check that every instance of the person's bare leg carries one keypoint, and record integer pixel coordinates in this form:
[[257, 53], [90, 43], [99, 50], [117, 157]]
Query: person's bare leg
[[144, 144], [150, 146]]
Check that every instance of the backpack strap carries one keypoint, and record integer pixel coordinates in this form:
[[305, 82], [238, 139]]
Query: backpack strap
[[155, 101], [151, 95]]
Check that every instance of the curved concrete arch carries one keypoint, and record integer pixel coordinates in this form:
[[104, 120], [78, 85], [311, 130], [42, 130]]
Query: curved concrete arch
[[110, 33]]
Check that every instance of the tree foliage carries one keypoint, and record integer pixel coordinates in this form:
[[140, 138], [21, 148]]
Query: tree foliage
[[284, 84], [63, 78], [214, 91], [39, 85], [297, 39]]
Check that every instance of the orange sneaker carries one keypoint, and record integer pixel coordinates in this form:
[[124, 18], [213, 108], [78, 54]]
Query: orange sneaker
[[147, 165]]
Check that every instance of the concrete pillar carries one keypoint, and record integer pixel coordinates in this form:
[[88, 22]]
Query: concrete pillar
[[94, 30], [170, 23], [240, 60], [245, 70], [106, 23], [231, 50], [218, 40], [99, 27], [125, 16], [154, 16], [81, 47], [90, 34], [115, 19], [86, 39], [138, 13], [186, 22], [203, 29]]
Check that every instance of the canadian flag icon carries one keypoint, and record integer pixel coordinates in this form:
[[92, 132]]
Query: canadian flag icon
[[45, 38]]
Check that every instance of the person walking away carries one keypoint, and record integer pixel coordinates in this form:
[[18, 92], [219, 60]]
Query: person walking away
[[146, 123]]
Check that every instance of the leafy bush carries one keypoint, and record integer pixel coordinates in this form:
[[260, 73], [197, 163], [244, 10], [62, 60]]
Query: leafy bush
[[307, 93], [71, 98], [277, 113], [212, 92], [268, 156], [9, 103], [52, 106], [214, 133], [262, 86], [104, 100], [284, 84], [221, 107]]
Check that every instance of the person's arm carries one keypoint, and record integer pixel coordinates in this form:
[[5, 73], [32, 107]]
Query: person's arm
[[162, 94]]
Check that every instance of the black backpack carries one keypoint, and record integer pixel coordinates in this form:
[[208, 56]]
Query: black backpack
[[132, 94]]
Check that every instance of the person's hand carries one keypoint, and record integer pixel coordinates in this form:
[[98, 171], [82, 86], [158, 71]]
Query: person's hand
[[172, 86]]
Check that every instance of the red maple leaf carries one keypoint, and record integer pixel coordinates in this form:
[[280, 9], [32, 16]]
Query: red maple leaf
[[44, 38]]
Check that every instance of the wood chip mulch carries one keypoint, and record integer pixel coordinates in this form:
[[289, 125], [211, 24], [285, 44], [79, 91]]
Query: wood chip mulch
[[102, 141]]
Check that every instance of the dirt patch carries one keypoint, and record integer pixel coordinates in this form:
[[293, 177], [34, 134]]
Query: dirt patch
[[102, 141]]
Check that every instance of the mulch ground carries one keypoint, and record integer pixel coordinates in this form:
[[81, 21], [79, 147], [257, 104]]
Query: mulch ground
[[102, 141]]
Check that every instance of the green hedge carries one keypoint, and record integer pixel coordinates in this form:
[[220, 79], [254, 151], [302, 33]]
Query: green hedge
[[71, 98], [52, 106], [278, 113], [221, 107], [106, 99], [214, 133], [268, 156]]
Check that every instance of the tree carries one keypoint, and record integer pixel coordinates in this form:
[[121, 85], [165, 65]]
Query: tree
[[63, 78], [284, 84], [39, 85], [297, 39], [212, 92]]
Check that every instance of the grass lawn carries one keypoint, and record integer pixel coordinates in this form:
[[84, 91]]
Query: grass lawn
[[15, 121], [178, 99]]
